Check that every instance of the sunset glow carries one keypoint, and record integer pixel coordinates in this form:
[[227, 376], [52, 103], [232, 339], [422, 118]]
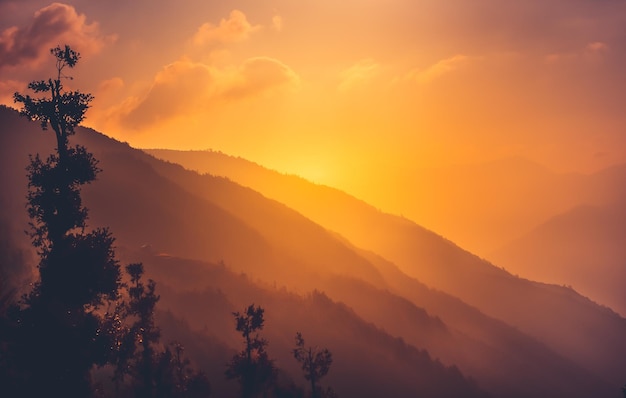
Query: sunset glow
[[433, 189], [363, 96]]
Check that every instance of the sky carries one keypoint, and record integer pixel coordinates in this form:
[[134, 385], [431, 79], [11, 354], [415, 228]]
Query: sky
[[353, 94]]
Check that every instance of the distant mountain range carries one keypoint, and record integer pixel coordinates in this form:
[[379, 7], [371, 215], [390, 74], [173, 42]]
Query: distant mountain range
[[405, 312], [566, 229]]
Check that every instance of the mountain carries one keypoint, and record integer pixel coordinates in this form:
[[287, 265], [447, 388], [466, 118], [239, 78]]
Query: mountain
[[386, 322], [369, 363], [502, 199], [584, 247], [511, 203], [543, 311]]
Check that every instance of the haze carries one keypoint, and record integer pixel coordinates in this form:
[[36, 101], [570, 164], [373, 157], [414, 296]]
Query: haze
[[433, 190], [354, 94], [472, 118]]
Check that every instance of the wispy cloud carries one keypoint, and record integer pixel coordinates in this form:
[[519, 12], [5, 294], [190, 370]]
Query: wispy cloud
[[235, 28], [358, 74], [593, 52], [438, 69]]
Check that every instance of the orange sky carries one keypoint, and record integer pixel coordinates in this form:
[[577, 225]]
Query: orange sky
[[349, 93]]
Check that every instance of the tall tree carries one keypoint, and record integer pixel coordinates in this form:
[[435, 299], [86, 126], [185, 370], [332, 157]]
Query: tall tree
[[61, 329], [315, 364], [252, 367], [60, 324]]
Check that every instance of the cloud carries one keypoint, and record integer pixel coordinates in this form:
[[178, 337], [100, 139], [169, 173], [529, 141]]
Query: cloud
[[592, 52], [235, 28], [358, 74], [185, 87], [260, 75], [110, 85], [597, 46], [52, 25], [178, 87], [439, 69]]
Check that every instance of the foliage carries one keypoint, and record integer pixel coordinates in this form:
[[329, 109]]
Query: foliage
[[154, 372], [63, 110], [252, 367], [315, 364], [52, 339], [57, 334]]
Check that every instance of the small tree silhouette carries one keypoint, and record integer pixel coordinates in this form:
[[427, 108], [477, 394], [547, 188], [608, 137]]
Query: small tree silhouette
[[315, 364], [139, 334], [251, 367], [153, 371]]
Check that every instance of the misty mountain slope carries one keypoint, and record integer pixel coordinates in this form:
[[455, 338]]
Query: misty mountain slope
[[545, 195], [609, 184], [499, 360], [279, 224], [367, 361], [490, 214], [497, 354], [572, 325], [584, 247], [139, 206], [142, 177], [143, 208], [522, 368]]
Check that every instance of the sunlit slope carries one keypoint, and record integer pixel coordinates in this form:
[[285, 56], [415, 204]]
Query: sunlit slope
[[538, 371], [166, 194], [367, 361], [571, 324], [502, 353], [584, 247], [479, 206], [142, 207], [211, 187], [485, 208], [312, 251]]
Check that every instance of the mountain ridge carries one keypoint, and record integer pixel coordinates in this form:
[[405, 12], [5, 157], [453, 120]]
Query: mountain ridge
[[163, 192]]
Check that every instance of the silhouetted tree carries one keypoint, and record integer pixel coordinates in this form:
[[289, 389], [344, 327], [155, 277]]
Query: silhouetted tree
[[59, 327], [315, 364], [140, 336], [252, 367], [153, 371], [61, 330], [176, 377]]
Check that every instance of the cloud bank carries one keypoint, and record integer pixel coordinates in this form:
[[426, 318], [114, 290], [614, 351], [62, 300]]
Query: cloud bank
[[185, 87], [52, 25]]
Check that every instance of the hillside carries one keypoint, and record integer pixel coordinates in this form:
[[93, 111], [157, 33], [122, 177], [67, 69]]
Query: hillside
[[206, 219], [584, 247], [492, 211], [523, 235], [545, 312]]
